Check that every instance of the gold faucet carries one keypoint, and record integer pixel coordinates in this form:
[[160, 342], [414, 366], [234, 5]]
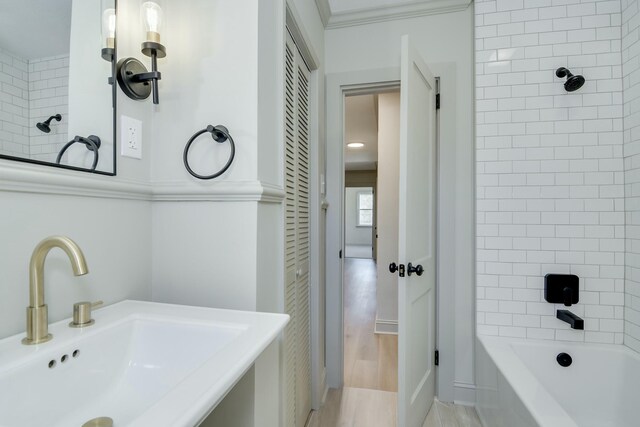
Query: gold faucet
[[37, 312]]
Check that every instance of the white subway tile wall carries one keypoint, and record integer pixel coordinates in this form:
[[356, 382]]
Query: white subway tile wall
[[30, 92], [631, 85], [48, 96], [14, 105], [550, 169]]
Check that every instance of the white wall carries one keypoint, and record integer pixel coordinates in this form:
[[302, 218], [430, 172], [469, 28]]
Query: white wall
[[445, 41], [630, 67], [216, 95], [387, 204], [354, 234], [113, 234], [549, 167]]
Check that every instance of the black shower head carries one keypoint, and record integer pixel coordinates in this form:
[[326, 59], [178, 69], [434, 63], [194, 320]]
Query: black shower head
[[573, 82], [44, 126]]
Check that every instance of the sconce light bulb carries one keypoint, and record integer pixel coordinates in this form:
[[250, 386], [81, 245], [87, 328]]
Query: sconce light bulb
[[112, 25], [152, 19], [109, 27]]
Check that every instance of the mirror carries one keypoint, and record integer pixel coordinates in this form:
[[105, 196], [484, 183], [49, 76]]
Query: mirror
[[57, 106]]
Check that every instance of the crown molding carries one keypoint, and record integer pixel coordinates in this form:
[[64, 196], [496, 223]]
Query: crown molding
[[390, 13], [324, 10]]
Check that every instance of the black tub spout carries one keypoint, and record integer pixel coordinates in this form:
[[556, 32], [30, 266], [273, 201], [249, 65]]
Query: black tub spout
[[573, 320]]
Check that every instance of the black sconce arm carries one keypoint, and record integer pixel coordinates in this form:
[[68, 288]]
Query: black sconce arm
[[145, 77], [134, 77]]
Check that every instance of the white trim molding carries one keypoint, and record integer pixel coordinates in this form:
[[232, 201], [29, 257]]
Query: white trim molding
[[23, 178], [388, 327], [227, 191], [35, 179], [465, 393], [324, 9], [387, 13]]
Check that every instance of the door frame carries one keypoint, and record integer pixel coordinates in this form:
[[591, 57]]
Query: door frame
[[365, 81]]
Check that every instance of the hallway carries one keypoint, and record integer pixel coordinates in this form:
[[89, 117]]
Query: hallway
[[369, 396]]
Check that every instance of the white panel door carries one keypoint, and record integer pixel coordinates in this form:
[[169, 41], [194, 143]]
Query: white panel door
[[416, 239]]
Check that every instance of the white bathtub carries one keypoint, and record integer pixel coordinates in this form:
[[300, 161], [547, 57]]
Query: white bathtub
[[520, 384]]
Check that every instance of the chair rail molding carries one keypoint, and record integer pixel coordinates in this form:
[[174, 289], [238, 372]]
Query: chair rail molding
[[26, 178]]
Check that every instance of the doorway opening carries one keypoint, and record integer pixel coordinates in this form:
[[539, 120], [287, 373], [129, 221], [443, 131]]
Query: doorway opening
[[371, 135]]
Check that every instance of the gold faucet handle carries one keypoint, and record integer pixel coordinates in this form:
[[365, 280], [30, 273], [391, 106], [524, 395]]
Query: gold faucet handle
[[82, 314]]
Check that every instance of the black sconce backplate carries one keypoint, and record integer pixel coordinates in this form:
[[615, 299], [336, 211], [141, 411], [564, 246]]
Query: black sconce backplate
[[126, 72]]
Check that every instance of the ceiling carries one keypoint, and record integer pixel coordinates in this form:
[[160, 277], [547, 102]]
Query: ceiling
[[342, 13], [361, 125], [35, 28]]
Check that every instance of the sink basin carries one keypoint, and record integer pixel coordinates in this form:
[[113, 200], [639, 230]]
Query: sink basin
[[140, 364]]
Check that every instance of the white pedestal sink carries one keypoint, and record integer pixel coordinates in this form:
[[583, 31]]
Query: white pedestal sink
[[141, 364]]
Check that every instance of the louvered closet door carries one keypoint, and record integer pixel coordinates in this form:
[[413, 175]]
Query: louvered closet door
[[297, 333]]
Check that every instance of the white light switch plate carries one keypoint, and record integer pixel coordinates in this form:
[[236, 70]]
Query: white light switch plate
[[130, 137]]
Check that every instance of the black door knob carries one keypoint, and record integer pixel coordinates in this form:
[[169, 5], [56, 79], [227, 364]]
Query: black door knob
[[415, 269], [393, 267]]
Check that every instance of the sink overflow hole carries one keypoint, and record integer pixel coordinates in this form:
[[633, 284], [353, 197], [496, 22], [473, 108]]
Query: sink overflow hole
[[64, 358], [52, 364], [75, 353]]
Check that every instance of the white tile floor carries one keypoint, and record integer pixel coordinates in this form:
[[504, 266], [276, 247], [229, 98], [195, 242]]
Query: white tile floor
[[450, 415]]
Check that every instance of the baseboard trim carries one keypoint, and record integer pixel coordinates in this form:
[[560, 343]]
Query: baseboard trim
[[389, 327], [464, 394]]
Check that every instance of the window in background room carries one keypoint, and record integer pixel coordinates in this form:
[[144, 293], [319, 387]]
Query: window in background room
[[365, 209]]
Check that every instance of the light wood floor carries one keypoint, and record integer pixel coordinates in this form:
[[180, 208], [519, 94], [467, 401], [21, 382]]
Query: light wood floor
[[358, 251], [357, 407], [369, 398], [370, 360]]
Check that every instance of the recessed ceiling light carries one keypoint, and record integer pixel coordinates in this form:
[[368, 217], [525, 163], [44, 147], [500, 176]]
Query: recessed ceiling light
[[355, 145]]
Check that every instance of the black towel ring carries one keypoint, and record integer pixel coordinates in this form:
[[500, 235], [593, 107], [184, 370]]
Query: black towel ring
[[219, 134], [93, 144]]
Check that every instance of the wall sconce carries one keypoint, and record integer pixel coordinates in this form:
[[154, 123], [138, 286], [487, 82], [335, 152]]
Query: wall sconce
[[132, 75]]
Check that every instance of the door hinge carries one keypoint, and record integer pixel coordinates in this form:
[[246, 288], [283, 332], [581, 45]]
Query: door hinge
[[401, 270], [340, 254], [437, 358], [437, 101]]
